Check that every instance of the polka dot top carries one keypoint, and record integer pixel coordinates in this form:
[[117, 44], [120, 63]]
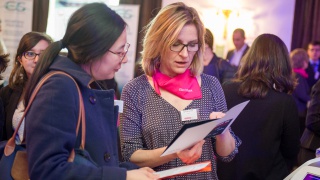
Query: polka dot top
[[150, 122]]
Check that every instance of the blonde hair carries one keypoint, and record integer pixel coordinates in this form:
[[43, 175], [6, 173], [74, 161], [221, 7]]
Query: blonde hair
[[163, 31], [298, 57]]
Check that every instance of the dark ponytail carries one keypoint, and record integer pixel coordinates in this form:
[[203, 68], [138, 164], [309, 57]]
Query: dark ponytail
[[42, 67], [91, 31]]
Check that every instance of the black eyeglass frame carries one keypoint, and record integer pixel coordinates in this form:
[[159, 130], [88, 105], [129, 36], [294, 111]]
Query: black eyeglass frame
[[30, 58], [185, 45]]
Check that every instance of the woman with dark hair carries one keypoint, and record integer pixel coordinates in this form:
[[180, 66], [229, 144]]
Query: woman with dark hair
[[30, 47], [269, 125], [4, 60], [97, 45]]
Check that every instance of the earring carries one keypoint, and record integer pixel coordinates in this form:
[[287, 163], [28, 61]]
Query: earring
[[157, 62]]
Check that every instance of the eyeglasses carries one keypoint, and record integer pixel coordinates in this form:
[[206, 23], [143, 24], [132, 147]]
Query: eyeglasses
[[178, 47], [122, 54], [30, 55]]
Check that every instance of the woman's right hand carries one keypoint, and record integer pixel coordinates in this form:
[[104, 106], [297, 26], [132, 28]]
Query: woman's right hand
[[189, 156], [144, 173]]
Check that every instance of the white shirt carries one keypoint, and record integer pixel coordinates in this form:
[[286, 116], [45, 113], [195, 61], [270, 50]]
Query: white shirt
[[18, 113], [315, 67], [237, 55]]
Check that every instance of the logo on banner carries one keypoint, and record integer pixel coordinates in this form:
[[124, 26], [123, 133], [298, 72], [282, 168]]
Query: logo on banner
[[15, 6]]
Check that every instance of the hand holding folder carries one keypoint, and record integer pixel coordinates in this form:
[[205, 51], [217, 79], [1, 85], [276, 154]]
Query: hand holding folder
[[192, 133]]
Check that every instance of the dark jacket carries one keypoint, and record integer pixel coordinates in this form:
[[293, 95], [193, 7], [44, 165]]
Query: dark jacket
[[220, 68], [231, 53], [10, 99], [301, 94], [311, 80], [2, 119], [311, 135], [51, 123], [269, 130]]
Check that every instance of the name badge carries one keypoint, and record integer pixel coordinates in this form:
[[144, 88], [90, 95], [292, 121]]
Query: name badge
[[120, 104], [190, 114]]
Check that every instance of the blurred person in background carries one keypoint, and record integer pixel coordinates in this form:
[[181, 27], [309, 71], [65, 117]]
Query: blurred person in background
[[269, 125], [30, 47], [300, 60], [214, 65], [235, 55], [313, 69], [310, 139], [4, 60]]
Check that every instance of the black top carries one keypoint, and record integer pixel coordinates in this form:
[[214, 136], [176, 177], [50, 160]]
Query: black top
[[10, 99], [269, 130]]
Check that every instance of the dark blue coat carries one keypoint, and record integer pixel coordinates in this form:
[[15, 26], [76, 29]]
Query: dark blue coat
[[301, 94], [51, 124], [220, 68]]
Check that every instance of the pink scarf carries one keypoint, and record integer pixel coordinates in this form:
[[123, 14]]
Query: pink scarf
[[302, 72], [183, 85]]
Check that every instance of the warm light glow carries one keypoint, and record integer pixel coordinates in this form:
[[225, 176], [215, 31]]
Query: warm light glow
[[222, 23], [226, 14], [228, 5]]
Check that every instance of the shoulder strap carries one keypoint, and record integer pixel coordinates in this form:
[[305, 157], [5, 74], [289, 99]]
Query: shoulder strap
[[10, 146]]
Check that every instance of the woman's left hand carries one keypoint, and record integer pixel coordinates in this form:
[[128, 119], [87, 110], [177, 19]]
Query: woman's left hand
[[216, 115]]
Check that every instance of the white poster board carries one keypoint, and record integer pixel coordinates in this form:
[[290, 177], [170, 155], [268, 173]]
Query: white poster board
[[16, 20], [130, 13], [59, 14]]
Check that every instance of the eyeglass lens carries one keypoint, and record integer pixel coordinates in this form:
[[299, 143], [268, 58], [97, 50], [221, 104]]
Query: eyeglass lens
[[126, 48], [192, 47], [30, 55]]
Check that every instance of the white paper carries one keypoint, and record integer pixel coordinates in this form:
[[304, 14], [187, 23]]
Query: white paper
[[195, 134], [182, 169], [312, 167]]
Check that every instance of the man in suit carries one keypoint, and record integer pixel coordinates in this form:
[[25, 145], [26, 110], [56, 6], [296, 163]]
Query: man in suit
[[234, 56], [313, 69]]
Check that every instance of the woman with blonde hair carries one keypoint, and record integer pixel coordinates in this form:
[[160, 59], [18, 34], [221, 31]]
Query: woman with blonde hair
[[173, 84]]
